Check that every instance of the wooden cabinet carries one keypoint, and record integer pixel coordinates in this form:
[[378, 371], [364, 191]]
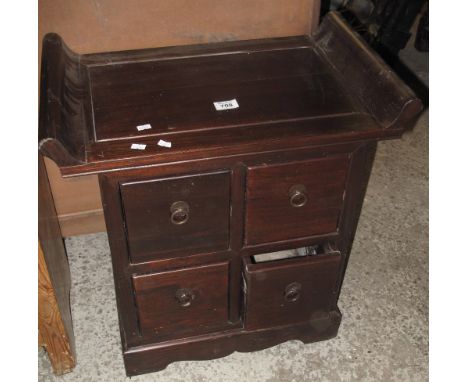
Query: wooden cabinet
[[209, 156]]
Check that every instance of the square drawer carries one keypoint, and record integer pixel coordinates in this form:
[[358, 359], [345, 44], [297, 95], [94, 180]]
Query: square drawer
[[176, 216], [290, 290], [294, 200], [182, 302]]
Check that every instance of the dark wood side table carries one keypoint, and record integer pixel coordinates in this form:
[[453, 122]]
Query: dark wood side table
[[208, 157]]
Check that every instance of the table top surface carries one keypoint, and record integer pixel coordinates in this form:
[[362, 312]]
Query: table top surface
[[179, 94], [284, 92]]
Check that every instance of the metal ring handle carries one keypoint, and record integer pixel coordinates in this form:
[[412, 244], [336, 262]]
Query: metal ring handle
[[184, 297], [292, 292], [298, 195], [179, 213]]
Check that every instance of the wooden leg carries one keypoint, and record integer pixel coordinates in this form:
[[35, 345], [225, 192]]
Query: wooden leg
[[55, 322]]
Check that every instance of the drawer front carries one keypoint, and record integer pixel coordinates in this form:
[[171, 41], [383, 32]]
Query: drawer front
[[290, 291], [183, 302], [294, 200], [175, 216]]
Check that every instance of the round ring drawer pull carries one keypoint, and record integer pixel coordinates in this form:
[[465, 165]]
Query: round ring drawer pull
[[298, 195], [292, 292], [179, 213], [184, 297]]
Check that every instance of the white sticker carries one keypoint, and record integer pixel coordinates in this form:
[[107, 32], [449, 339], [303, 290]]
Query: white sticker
[[164, 143], [226, 105], [138, 146], [146, 126]]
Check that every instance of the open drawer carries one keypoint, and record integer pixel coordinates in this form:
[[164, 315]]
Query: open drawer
[[288, 290]]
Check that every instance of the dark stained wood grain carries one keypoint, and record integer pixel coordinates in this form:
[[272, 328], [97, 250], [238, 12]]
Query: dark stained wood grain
[[278, 85], [157, 356], [133, 343], [162, 315], [136, 347], [196, 50], [113, 214], [129, 83], [260, 101], [365, 74], [270, 216], [64, 113], [288, 168], [91, 105], [271, 290], [147, 207], [236, 240], [238, 140], [360, 170]]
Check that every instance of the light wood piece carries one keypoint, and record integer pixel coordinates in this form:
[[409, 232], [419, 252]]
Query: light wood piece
[[52, 332], [54, 321]]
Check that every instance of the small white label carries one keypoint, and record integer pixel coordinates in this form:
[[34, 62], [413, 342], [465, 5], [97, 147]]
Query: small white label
[[146, 126], [138, 146], [226, 105], [164, 143]]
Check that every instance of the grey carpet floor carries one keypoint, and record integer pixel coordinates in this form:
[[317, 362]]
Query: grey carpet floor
[[384, 301]]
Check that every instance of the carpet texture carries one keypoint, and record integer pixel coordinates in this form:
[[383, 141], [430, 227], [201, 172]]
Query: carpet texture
[[384, 300]]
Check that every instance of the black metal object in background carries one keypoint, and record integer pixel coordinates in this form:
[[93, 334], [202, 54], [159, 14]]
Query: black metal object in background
[[422, 37], [386, 26]]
